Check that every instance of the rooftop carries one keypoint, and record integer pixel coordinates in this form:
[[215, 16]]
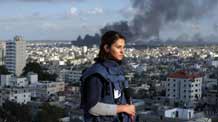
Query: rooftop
[[185, 75]]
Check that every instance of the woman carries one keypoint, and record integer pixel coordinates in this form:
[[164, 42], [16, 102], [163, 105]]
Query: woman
[[103, 98]]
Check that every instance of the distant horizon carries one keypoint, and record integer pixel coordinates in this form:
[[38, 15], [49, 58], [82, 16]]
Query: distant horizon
[[161, 40], [67, 19]]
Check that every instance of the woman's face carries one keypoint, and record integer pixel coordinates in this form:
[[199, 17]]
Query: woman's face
[[116, 50]]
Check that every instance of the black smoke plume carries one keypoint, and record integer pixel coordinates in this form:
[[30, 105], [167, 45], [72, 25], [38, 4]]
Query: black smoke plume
[[151, 15]]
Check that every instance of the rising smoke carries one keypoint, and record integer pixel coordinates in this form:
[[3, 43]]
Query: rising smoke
[[151, 15]]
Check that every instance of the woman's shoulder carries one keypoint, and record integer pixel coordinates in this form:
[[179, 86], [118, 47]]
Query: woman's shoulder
[[96, 68]]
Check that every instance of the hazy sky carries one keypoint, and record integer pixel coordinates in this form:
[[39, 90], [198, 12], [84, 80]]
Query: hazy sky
[[57, 19], [66, 19]]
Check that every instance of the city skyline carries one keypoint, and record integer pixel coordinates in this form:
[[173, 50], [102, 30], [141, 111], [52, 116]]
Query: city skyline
[[66, 20]]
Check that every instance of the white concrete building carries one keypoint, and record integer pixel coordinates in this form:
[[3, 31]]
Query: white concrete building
[[16, 94], [71, 75], [46, 88], [215, 62], [179, 113], [172, 115], [10, 80], [32, 78], [16, 55], [6, 80], [184, 86], [21, 82]]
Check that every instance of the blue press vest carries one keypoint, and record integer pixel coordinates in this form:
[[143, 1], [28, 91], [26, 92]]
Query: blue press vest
[[112, 72]]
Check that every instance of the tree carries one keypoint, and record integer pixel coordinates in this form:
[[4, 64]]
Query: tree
[[3, 70], [49, 113], [47, 76], [36, 68], [12, 112], [32, 67]]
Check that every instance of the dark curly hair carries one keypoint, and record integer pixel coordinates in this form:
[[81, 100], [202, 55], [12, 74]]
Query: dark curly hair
[[108, 38]]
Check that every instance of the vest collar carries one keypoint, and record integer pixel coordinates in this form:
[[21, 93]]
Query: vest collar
[[113, 67], [109, 63]]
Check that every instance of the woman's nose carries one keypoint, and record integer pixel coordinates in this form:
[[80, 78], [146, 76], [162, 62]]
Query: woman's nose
[[122, 51]]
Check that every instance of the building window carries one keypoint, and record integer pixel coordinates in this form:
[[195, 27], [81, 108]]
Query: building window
[[184, 85], [184, 90], [168, 89], [184, 96], [174, 85], [174, 90]]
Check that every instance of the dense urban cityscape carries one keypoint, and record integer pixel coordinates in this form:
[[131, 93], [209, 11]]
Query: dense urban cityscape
[[171, 83], [165, 53]]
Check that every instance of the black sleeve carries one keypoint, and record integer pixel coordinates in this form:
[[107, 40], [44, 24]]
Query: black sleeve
[[93, 91]]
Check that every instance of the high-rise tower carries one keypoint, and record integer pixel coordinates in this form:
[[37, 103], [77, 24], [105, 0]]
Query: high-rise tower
[[16, 55]]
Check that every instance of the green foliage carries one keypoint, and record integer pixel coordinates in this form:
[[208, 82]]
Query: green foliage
[[32, 67], [13, 112], [47, 76], [49, 113], [3, 70], [36, 68]]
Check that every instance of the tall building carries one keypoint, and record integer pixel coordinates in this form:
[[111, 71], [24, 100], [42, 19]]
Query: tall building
[[184, 86], [16, 55], [2, 53], [1, 56]]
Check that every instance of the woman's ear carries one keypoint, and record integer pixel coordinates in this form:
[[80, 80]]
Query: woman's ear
[[106, 48]]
